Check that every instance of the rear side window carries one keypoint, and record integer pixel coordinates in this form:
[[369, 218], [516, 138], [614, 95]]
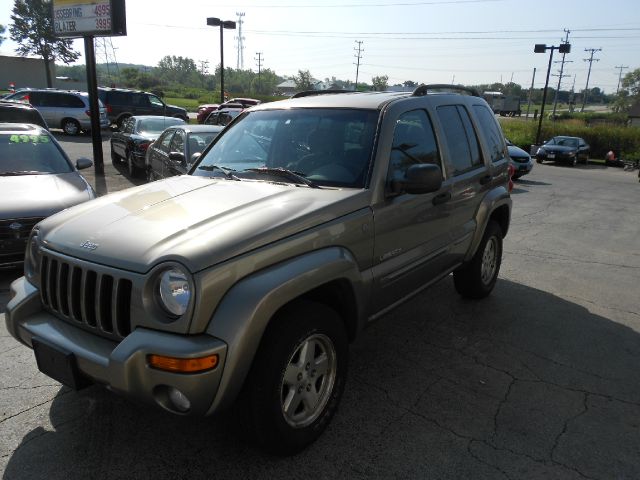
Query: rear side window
[[413, 143], [491, 131], [460, 137]]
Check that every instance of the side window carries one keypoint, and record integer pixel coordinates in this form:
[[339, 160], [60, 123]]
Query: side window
[[460, 137], [139, 100], [71, 101], [155, 101], [491, 132], [413, 142], [177, 144], [35, 98], [165, 140]]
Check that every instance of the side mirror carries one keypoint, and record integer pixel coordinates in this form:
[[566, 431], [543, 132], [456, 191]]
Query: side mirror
[[195, 157], [176, 157], [83, 163], [420, 179]]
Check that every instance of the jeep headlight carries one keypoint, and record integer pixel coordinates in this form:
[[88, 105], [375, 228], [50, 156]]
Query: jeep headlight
[[174, 290], [33, 256]]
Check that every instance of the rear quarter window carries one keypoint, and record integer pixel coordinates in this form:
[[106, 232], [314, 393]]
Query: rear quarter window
[[491, 131]]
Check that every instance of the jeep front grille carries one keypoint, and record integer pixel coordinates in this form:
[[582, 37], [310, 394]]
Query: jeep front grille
[[86, 297]]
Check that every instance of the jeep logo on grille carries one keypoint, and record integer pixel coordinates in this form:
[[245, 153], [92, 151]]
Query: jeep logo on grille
[[89, 245]]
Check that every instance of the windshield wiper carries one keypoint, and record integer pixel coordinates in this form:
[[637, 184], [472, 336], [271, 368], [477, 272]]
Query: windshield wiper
[[283, 172], [228, 172]]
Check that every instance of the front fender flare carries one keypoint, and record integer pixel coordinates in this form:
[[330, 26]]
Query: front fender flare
[[245, 311]]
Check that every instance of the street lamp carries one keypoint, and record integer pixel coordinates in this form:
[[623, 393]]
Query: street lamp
[[541, 48], [216, 22]]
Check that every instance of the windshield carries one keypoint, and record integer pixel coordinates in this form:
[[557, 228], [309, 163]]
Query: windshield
[[330, 147], [157, 125], [564, 141], [22, 154]]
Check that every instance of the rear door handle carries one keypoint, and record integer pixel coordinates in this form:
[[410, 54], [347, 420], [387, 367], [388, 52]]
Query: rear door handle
[[486, 179], [441, 198]]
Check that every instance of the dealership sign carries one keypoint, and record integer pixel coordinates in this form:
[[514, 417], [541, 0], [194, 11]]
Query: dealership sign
[[79, 18]]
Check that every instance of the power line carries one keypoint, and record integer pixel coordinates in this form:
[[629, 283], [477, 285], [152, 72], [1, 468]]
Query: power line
[[590, 60], [358, 56], [620, 67], [240, 39], [259, 61], [562, 62]]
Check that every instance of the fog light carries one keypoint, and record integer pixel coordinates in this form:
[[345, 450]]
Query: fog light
[[179, 400]]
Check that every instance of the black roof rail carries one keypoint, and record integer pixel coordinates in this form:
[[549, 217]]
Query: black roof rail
[[422, 90], [310, 93]]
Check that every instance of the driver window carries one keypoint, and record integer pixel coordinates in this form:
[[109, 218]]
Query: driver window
[[413, 142], [155, 101]]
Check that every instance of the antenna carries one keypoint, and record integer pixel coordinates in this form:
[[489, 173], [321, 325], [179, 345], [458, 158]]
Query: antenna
[[240, 39]]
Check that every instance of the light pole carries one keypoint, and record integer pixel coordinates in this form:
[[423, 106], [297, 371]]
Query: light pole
[[541, 48], [216, 22]]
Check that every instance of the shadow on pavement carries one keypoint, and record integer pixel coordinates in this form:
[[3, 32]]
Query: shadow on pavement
[[523, 381]]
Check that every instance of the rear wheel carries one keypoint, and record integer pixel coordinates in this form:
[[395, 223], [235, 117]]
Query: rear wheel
[[479, 276], [297, 378], [70, 126], [539, 160]]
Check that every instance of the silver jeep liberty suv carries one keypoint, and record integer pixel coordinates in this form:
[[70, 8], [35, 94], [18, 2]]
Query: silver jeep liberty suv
[[244, 281]]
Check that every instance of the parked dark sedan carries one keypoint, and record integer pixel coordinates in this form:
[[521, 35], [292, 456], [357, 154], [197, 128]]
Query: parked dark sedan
[[37, 179], [223, 117], [132, 140], [564, 149], [521, 160], [177, 148]]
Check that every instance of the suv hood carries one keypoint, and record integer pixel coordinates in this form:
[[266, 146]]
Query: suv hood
[[196, 221]]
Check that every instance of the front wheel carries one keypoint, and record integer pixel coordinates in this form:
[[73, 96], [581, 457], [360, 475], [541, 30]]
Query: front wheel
[[297, 378], [478, 277], [70, 126]]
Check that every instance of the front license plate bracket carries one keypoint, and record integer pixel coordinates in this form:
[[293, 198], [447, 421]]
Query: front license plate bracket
[[58, 364]]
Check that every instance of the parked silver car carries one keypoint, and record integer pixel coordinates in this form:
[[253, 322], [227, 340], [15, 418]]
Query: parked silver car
[[65, 109], [37, 179]]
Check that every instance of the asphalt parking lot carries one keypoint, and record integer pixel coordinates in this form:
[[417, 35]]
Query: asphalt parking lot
[[538, 381]]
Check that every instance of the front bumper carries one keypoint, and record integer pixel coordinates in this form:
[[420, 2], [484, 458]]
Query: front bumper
[[121, 367]]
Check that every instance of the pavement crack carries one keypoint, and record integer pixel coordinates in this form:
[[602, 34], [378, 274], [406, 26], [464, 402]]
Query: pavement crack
[[484, 462]]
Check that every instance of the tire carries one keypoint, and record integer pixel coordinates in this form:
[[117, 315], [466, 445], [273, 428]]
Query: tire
[[70, 126], [132, 169], [477, 278], [120, 120], [574, 162], [273, 405], [115, 158], [539, 160]]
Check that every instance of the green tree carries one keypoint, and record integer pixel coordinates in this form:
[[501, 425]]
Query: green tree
[[181, 70], [380, 83], [32, 30], [303, 80], [2, 30]]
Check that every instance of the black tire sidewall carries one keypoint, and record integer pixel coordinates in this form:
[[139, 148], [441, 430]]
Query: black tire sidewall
[[294, 325]]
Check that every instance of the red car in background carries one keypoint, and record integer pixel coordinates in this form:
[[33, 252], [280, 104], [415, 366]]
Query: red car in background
[[205, 110]]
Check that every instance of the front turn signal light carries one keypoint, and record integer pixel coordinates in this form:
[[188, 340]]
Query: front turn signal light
[[183, 365]]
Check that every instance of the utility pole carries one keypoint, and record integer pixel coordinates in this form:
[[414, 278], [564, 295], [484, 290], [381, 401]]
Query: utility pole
[[620, 67], [259, 61], [533, 79], [590, 60], [555, 99], [358, 55], [204, 69], [240, 39]]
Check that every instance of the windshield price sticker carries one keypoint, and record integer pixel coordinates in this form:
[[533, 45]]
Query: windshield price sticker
[[28, 139], [77, 17]]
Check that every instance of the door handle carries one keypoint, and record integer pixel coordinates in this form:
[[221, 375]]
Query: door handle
[[486, 179], [441, 198]]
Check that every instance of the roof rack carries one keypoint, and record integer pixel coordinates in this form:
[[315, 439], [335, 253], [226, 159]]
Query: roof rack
[[422, 90], [310, 93]]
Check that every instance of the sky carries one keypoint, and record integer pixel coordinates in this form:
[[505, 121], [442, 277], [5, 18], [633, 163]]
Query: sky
[[468, 42]]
